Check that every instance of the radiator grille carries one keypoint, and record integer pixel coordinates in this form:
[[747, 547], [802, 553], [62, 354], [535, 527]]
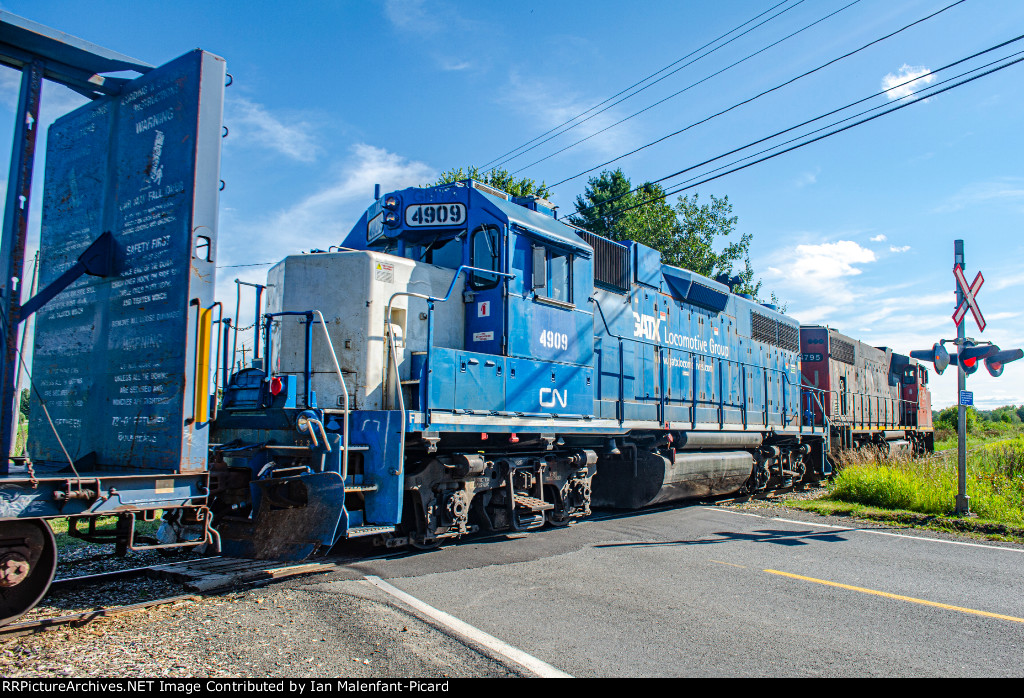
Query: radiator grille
[[841, 351], [771, 331], [611, 262]]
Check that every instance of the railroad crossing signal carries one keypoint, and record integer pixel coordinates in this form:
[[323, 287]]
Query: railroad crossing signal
[[969, 354], [970, 297]]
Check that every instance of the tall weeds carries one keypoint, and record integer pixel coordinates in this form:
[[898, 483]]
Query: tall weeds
[[995, 482]]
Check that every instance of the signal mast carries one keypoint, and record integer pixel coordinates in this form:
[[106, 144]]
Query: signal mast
[[969, 353]]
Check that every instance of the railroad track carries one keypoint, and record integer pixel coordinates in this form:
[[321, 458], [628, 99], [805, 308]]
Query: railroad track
[[195, 577]]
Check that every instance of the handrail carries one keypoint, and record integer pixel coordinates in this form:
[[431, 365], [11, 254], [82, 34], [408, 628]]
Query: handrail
[[196, 362], [394, 352], [307, 374], [694, 354], [344, 399], [840, 418]]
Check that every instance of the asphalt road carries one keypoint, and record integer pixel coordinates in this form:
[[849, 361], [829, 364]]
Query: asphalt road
[[708, 591]]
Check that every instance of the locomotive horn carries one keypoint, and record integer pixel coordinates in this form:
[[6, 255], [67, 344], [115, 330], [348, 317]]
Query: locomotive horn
[[937, 355], [995, 362]]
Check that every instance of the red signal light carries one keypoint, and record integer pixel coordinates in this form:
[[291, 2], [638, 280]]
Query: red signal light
[[276, 386]]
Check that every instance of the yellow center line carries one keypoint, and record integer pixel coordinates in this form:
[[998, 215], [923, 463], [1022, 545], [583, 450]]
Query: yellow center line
[[887, 595], [727, 563]]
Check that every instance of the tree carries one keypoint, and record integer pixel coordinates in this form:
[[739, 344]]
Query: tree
[[610, 209], [949, 419], [699, 229], [686, 235], [499, 179]]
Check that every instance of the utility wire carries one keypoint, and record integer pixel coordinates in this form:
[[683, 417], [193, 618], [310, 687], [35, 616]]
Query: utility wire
[[255, 264], [818, 118], [748, 100], [921, 93], [671, 96], [640, 82], [921, 98]]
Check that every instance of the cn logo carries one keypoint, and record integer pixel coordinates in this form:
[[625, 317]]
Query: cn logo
[[553, 397]]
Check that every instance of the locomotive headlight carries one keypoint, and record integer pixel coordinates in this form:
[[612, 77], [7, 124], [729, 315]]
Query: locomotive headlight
[[391, 218], [391, 202]]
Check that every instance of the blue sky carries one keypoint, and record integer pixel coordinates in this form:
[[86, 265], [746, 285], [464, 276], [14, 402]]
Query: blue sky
[[855, 231]]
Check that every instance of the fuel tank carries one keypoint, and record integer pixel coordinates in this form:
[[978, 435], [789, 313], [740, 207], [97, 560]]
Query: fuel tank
[[653, 478]]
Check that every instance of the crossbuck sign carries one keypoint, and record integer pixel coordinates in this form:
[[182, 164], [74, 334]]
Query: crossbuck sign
[[970, 298]]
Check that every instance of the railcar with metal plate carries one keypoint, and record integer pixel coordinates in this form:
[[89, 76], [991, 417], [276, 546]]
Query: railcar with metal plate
[[119, 411]]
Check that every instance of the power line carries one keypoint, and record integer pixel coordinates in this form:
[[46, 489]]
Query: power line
[[755, 97], [818, 118], [640, 82], [921, 98], [671, 96], [235, 266], [922, 94]]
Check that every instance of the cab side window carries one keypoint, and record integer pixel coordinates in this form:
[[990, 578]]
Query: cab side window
[[484, 254], [552, 274]]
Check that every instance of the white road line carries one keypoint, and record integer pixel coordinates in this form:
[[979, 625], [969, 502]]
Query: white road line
[[868, 530], [475, 635]]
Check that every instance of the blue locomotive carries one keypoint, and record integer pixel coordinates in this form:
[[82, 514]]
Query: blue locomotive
[[465, 360]]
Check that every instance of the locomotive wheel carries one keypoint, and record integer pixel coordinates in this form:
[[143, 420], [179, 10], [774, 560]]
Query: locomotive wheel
[[434, 544], [557, 518], [28, 561]]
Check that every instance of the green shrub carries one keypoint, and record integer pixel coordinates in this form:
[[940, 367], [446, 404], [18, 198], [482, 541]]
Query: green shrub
[[995, 482]]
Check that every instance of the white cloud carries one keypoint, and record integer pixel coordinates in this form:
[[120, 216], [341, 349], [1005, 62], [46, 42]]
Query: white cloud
[[252, 124], [322, 219], [879, 238], [1016, 280], [906, 81], [1008, 190], [10, 85], [902, 248], [546, 105], [817, 273], [451, 64], [830, 260], [412, 15], [439, 28], [807, 178]]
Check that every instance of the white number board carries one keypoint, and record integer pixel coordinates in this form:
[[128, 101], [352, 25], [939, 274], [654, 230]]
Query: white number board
[[419, 215]]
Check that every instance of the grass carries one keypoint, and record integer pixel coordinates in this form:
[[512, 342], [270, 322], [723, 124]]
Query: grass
[[923, 491], [66, 543], [986, 433]]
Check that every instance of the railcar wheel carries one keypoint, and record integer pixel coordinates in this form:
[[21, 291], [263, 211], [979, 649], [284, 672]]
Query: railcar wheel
[[28, 562]]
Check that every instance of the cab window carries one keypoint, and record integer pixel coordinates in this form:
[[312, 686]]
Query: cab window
[[559, 276], [552, 274], [484, 249], [446, 254]]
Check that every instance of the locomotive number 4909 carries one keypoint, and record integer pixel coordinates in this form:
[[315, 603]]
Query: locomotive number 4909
[[554, 340], [434, 214]]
